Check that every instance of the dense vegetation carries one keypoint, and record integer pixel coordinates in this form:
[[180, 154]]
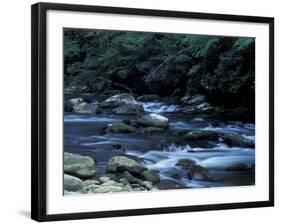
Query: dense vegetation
[[169, 65]]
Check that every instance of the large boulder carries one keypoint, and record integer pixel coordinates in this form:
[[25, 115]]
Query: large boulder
[[120, 127], [128, 109], [155, 120], [72, 183], [118, 100], [201, 135], [193, 100], [79, 166], [119, 164]]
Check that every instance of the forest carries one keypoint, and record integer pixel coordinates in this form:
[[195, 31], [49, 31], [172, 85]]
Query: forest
[[169, 65]]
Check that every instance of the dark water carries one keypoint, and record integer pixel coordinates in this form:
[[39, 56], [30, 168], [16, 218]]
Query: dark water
[[83, 134]]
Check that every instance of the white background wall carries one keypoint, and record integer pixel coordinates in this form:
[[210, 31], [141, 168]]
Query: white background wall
[[15, 110]]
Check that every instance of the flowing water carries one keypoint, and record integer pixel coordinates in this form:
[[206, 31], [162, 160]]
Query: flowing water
[[83, 134]]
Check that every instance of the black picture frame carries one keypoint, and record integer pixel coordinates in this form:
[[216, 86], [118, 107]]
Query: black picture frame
[[38, 108]]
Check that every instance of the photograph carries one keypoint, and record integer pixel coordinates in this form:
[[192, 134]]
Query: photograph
[[153, 111]]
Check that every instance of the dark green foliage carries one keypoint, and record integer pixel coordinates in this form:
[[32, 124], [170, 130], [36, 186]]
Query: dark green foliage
[[222, 68]]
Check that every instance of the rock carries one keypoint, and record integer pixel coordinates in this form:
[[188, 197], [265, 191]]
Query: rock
[[238, 167], [152, 130], [104, 179], [147, 184], [75, 101], [154, 120], [236, 140], [91, 182], [119, 148], [118, 100], [128, 109], [199, 173], [84, 108], [112, 183], [196, 100], [148, 97], [130, 178], [197, 119], [151, 176], [120, 127], [186, 163], [79, 166], [119, 164], [72, 183], [201, 135], [109, 189]]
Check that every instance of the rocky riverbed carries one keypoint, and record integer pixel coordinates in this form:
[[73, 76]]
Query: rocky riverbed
[[122, 143]]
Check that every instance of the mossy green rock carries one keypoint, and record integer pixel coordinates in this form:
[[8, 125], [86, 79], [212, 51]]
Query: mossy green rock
[[79, 166]]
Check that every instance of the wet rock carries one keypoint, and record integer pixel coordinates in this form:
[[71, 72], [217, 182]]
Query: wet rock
[[118, 100], [130, 178], [186, 163], [120, 127], [128, 109], [72, 183], [238, 167], [151, 176], [79, 166], [199, 173], [154, 120], [236, 140], [197, 119], [120, 164], [119, 148], [84, 108], [148, 97], [201, 135], [152, 130], [196, 100]]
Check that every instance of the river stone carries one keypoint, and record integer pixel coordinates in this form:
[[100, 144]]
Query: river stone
[[151, 176], [79, 166], [119, 164], [128, 109], [199, 173], [201, 135], [84, 108], [104, 179], [197, 119], [109, 189], [155, 120], [72, 183], [130, 178], [186, 163], [152, 130], [147, 184], [196, 100], [90, 182], [148, 97], [118, 100], [120, 127], [236, 140]]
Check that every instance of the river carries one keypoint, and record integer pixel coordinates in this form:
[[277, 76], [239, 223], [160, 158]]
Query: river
[[83, 134]]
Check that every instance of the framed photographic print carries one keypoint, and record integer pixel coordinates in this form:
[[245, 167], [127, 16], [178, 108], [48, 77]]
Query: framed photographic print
[[139, 111]]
